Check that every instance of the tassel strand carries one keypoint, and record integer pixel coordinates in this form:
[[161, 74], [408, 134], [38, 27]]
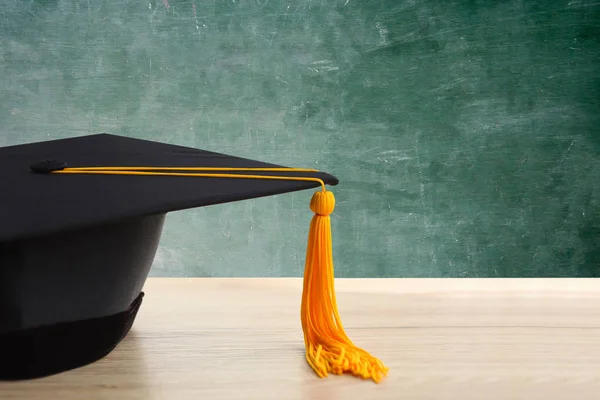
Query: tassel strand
[[328, 348]]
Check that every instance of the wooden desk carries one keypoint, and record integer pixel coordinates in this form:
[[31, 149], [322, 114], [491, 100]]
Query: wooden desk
[[442, 339]]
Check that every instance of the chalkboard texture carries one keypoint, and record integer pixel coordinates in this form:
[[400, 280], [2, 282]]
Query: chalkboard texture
[[465, 133]]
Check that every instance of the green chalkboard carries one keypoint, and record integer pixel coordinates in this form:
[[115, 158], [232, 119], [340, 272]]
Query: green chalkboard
[[465, 133]]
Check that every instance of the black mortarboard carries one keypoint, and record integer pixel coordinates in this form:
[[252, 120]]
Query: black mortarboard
[[80, 223]]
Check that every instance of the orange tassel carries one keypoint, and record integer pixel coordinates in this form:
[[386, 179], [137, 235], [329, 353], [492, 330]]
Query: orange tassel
[[328, 349]]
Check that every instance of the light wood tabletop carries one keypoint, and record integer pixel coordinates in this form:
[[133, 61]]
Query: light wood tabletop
[[441, 338]]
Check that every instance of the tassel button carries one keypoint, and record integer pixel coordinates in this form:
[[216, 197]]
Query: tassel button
[[322, 203]]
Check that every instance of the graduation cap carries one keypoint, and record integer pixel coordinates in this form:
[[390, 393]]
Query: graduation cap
[[80, 224]]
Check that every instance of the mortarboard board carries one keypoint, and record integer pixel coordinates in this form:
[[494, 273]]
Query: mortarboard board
[[80, 224]]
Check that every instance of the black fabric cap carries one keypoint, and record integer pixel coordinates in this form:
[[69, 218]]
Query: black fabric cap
[[35, 204], [76, 249]]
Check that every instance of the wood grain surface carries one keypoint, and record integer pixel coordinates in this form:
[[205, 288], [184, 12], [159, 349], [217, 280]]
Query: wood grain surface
[[442, 339]]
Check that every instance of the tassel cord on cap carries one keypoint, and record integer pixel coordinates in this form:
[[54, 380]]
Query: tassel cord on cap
[[157, 171], [328, 348]]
